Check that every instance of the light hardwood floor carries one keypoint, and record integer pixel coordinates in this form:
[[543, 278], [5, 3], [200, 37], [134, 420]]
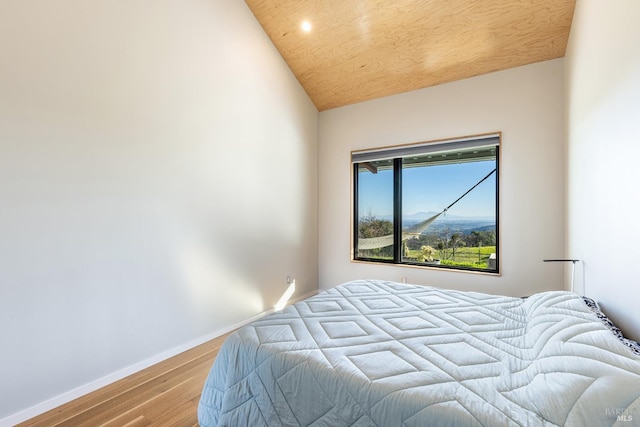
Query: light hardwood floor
[[165, 394]]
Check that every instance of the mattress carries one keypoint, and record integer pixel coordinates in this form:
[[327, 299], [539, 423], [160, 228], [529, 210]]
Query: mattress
[[374, 353]]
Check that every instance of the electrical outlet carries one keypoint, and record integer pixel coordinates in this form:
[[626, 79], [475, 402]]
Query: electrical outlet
[[288, 279], [404, 279]]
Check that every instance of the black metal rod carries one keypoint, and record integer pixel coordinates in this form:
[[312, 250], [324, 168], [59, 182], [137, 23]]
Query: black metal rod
[[469, 190], [397, 210]]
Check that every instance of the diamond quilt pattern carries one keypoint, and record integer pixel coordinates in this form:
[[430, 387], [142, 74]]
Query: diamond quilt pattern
[[375, 353]]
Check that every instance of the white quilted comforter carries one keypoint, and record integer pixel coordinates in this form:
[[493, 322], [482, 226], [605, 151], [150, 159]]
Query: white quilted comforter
[[371, 353]]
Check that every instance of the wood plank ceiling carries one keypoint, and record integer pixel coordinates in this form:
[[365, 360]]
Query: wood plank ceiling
[[358, 50]]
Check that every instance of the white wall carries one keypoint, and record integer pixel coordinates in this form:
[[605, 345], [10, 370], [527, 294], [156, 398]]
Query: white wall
[[158, 182], [603, 146], [526, 104]]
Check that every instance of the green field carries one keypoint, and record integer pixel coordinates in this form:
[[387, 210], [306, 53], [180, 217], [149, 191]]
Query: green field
[[473, 257]]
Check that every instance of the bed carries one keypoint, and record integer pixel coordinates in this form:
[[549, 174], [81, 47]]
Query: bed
[[375, 353]]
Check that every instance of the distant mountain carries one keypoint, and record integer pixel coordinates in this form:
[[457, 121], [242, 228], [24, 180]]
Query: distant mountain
[[424, 215], [420, 216]]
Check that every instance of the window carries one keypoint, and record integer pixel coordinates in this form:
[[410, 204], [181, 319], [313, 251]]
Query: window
[[428, 204]]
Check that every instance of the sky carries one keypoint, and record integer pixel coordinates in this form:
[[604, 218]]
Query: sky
[[431, 188]]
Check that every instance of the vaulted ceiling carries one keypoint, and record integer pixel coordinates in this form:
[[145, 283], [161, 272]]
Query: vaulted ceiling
[[356, 50]]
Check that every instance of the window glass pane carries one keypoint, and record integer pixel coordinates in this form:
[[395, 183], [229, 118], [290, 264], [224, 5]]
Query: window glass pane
[[463, 236], [375, 210]]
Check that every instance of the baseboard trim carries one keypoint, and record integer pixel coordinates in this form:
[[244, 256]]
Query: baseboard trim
[[70, 395]]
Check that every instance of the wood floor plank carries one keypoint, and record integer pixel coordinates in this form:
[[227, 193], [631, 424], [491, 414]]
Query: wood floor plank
[[180, 415], [159, 402], [138, 422], [167, 392], [168, 403], [131, 398], [187, 395], [86, 402]]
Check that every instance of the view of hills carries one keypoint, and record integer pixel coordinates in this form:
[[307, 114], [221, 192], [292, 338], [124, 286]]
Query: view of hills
[[421, 216], [415, 218], [447, 223]]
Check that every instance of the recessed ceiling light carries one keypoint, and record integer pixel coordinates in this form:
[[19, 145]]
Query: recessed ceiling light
[[306, 26]]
